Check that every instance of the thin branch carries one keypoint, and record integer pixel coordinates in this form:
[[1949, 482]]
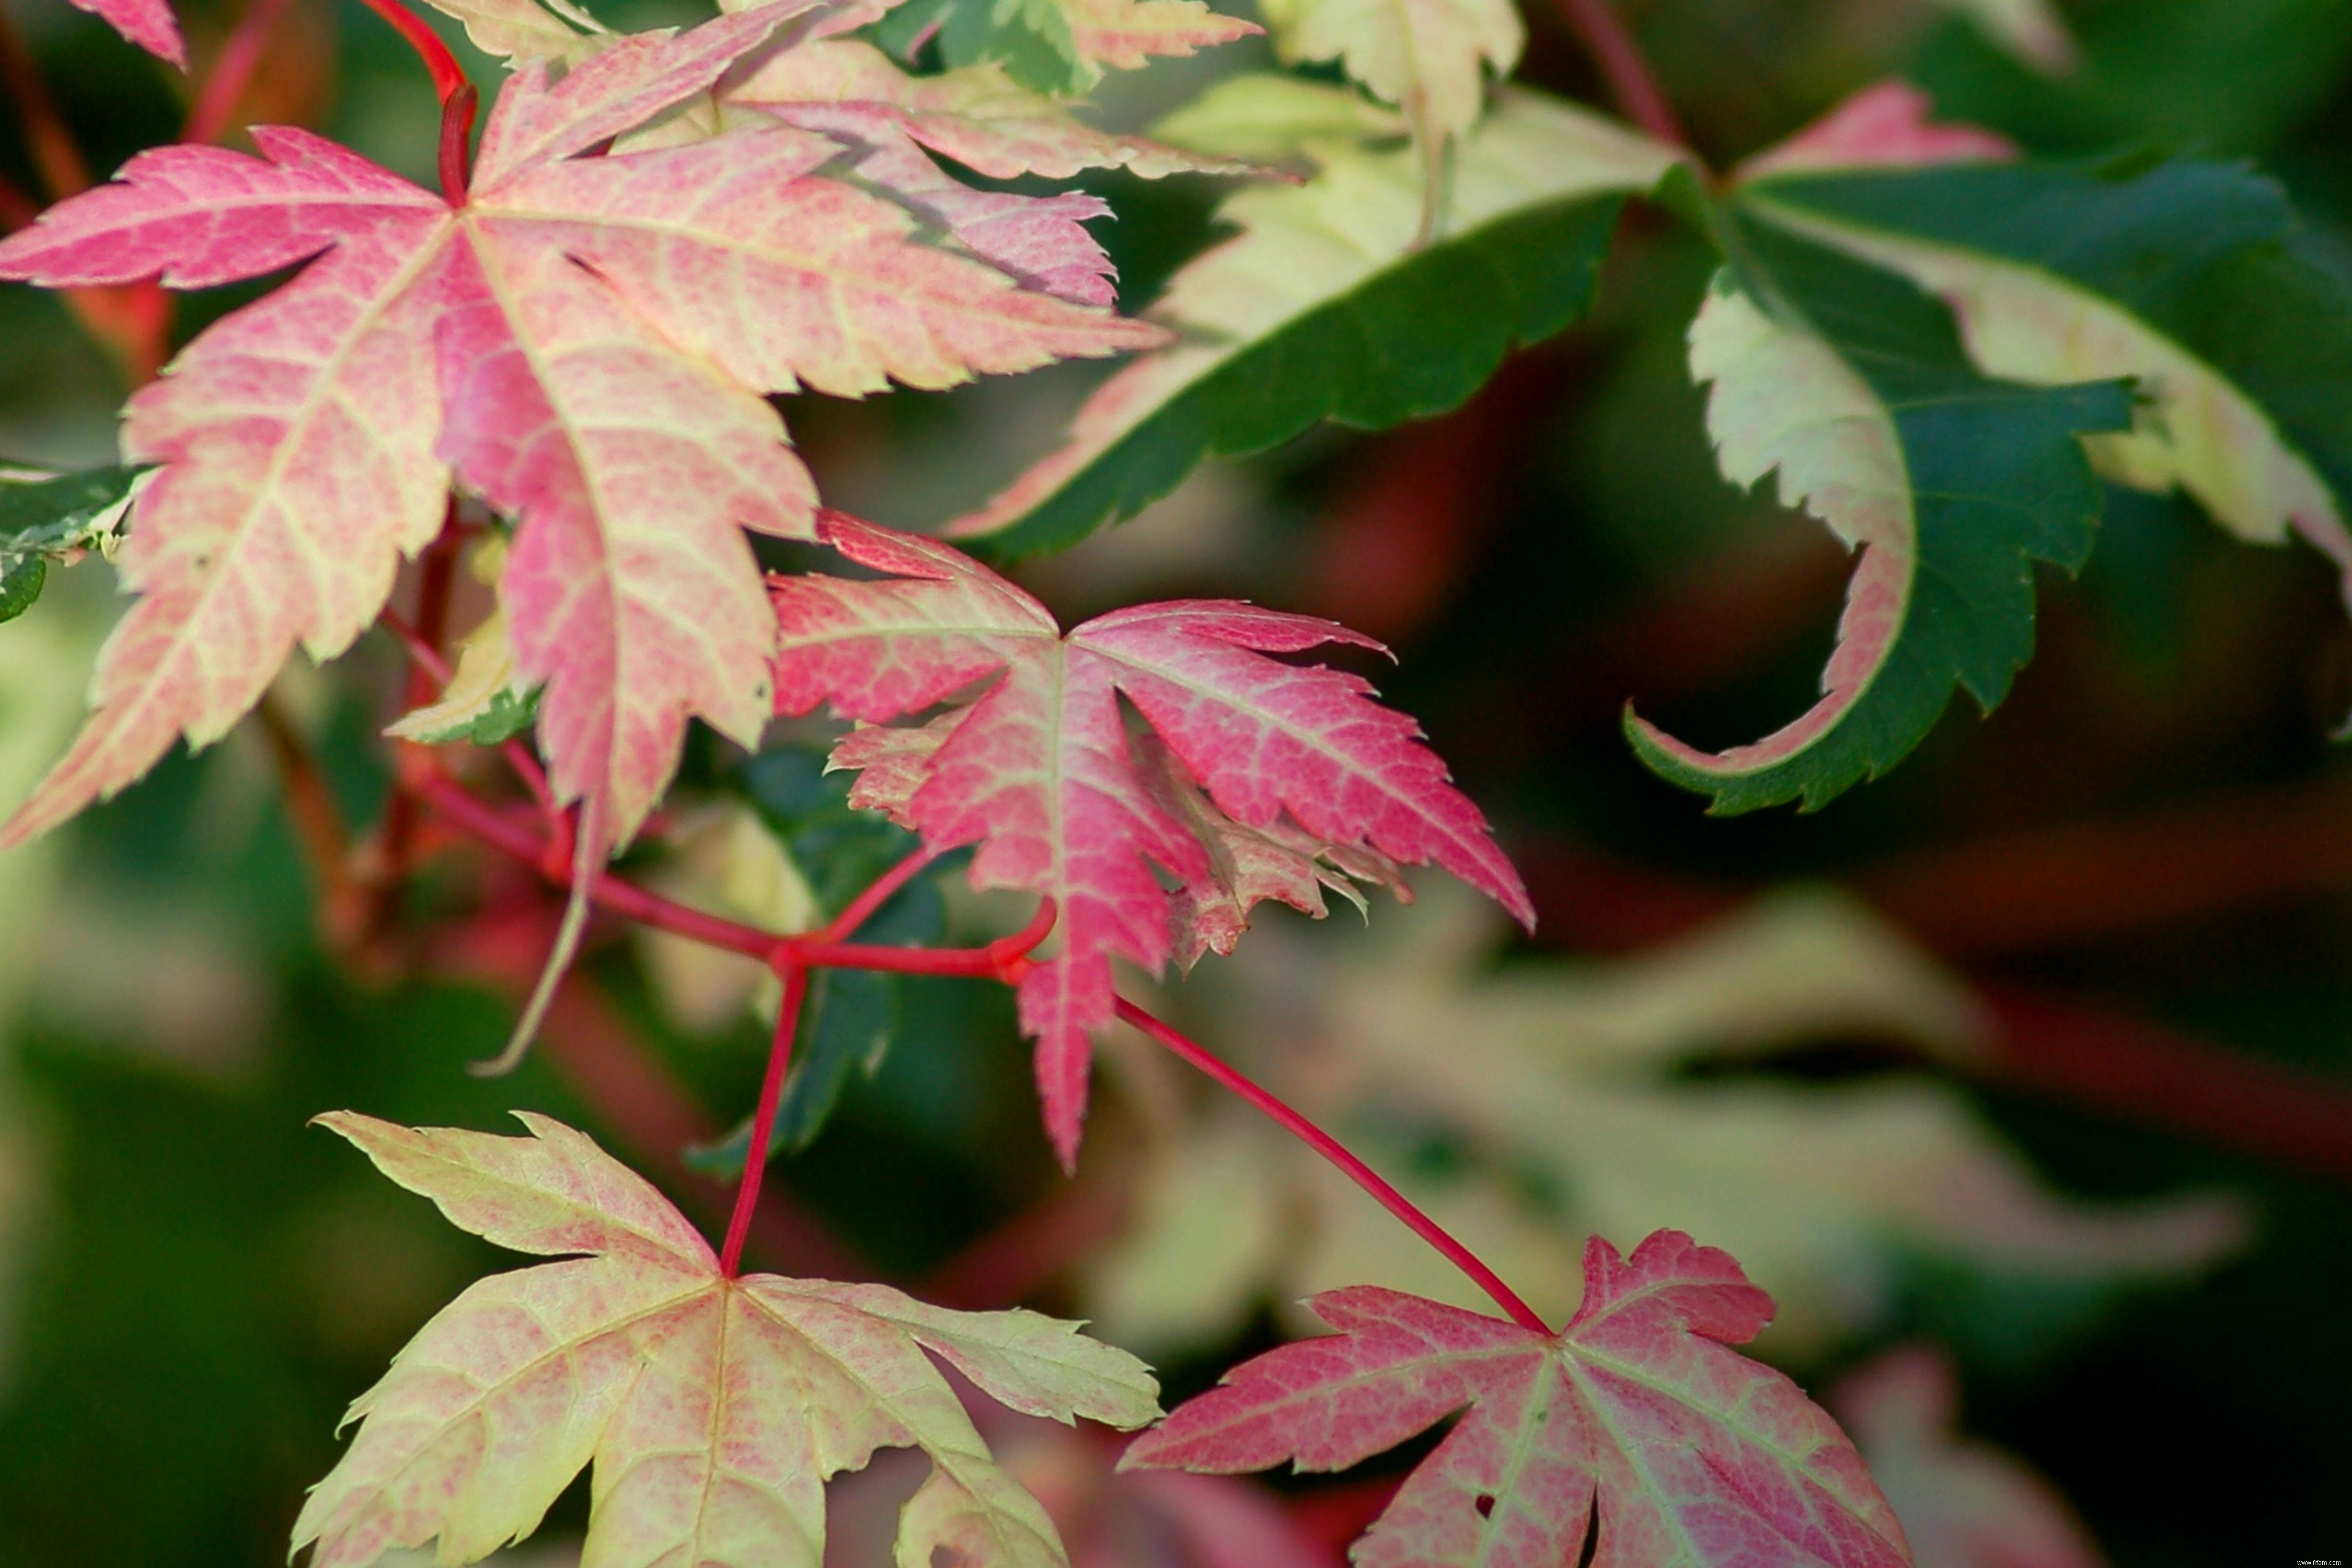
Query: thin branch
[[763, 1120], [318, 824], [1005, 959], [232, 70], [1297, 1124], [448, 77], [494, 827], [864, 906], [1630, 82], [17, 207]]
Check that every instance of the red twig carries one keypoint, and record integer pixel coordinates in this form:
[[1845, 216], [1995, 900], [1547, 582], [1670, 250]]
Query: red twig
[[1297, 1124], [862, 907], [318, 824], [456, 129], [16, 208], [448, 77], [494, 827], [1603, 34], [231, 71], [763, 1120], [1005, 959], [2135, 1067]]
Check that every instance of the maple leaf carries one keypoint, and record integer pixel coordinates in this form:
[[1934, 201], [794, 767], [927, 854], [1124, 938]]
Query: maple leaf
[[149, 23], [1429, 57], [2032, 30], [713, 1409], [1325, 307], [1584, 1115], [1060, 47], [850, 90], [1856, 387], [1039, 771], [583, 340], [2193, 279], [555, 30], [1963, 1504], [1635, 1425]]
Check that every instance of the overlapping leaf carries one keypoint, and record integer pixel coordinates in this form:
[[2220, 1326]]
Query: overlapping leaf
[[582, 341], [1856, 387], [1040, 770], [2188, 282], [2192, 278], [1325, 307], [850, 91], [1583, 1116], [149, 23], [713, 1409], [1963, 1504], [1429, 57], [525, 30], [1636, 1434], [1058, 46]]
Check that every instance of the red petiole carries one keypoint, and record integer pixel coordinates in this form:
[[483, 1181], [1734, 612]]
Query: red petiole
[[1005, 959], [763, 1120]]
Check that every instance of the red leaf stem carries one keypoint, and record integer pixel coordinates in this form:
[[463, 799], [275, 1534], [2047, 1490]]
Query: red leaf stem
[[1004, 960], [1297, 1124], [448, 77], [457, 130], [17, 208], [231, 71], [763, 1120], [494, 827], [1604, 34], [862, 908]]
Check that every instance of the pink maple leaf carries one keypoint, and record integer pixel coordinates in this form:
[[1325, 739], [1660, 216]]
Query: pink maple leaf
[[1881, 127], [146, 23], [1042, 772], [584, 341], [850, 90], [1637, 1415]]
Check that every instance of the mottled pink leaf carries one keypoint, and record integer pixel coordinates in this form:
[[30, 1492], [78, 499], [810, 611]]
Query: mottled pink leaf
[[851, 92], [146, 23], [1636, 1414], [584, 343], [1039, 770], [1885, 126]]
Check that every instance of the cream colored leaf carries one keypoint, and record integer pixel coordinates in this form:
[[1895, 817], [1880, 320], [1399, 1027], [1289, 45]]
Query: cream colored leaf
[[1555, 1092], [713, 1409], [1321, 261], [2197, 430], [1269, 115], [1429, 57], [516, 30], [2032, 30]]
